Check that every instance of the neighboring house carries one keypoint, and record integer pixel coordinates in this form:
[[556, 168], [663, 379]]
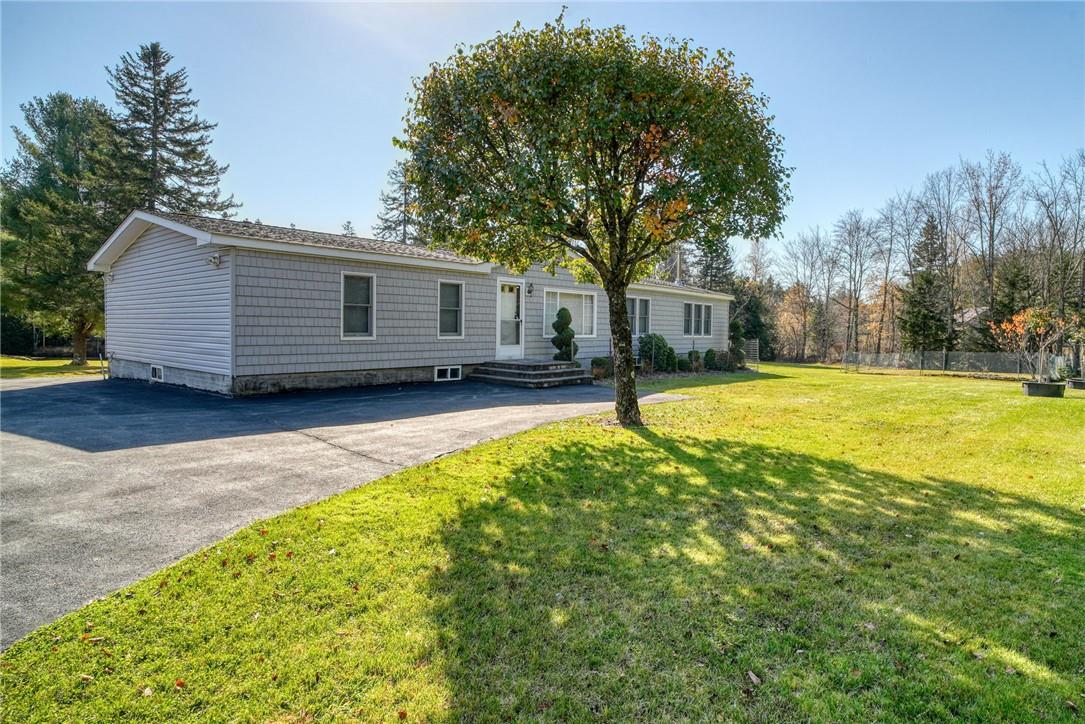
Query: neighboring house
[[240, 308]]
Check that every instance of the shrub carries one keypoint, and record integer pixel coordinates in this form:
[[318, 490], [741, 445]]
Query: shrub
[[694, 357], [670, 360], [710, 360], [563, 340], [602, 367], [653, 351], [684, 365]]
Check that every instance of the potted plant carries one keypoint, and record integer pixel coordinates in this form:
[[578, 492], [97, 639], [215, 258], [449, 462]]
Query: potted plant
[[1031, 332]]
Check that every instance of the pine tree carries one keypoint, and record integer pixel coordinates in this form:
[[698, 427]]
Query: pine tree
[[169, 144], [923, 306], [716, 268], [397, 220], [348, 229], [61, 199]]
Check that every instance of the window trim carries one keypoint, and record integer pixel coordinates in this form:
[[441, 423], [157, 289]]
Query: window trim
[[463, 305], [450, 378], [547, 332], [692, 319], [636, 315], [343, 336]]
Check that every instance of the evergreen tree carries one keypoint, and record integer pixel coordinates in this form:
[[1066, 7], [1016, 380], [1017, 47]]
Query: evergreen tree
[[61, 199], [397, 219], [923, 306], [348, 229], [169, 144], [716, 267]]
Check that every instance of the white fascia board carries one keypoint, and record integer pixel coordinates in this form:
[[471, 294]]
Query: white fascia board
[[129, 230], [291, 247], [678, 291]]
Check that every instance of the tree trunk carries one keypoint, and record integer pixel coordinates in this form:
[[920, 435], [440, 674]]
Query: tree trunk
[[621, 339], [79, 342]]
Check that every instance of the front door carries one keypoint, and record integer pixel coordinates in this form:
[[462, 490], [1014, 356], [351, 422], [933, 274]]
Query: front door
[[510, 321]]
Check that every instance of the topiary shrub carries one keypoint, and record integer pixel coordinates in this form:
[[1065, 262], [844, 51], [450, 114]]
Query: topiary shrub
[[684, 365], [710, 360], [563, 340]]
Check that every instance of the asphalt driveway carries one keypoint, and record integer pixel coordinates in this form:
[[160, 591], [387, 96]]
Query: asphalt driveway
[[103, 483]]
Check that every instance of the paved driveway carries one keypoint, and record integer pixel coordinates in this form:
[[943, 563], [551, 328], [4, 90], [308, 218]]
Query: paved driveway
[[103, 483]]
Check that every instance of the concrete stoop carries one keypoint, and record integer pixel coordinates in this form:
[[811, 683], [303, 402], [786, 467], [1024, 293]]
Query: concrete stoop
[[531, 373]]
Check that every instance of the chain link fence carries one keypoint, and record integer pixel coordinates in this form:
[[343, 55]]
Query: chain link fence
[[989, 363]]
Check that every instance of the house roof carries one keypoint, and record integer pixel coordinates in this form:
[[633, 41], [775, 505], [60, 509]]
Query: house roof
[[249, 235], [677, 287], [254, 230]]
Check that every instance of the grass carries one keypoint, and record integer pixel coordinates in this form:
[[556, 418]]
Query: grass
[[23, 367], [796, 545]]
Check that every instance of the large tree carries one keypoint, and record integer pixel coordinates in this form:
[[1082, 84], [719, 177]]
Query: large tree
[[61, 199], [169, 145], [585, 148]]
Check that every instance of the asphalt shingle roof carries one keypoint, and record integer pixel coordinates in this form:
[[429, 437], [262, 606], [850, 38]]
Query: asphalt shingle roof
[[266, 232], [676, 286]]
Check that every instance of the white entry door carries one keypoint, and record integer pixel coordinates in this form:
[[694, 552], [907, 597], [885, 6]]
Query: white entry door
[[510, 321]]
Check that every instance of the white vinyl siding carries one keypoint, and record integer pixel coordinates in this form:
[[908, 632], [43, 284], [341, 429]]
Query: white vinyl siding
[[166, 304], [581, 306]]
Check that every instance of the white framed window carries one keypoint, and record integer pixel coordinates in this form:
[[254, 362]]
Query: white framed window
[[450, 373], [581, 306], [358, 318], [639, 311], [449, 310], [696, 320]]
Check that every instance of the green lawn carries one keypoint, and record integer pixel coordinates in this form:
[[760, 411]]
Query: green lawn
[[20, 367], [795, 545]]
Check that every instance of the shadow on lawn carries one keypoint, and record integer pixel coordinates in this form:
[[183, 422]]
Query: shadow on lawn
[[647, 583]]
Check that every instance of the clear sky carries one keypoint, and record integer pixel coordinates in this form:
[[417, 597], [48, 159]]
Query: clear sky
[[868, 96]]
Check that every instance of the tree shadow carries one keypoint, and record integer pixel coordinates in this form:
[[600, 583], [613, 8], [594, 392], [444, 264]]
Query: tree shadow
[[643, 576]]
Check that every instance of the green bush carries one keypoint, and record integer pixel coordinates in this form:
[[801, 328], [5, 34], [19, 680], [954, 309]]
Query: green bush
[[694, 356], [711, 362], [684, 365], [563, 340], [670, 360], [602, 367], [653, 351]]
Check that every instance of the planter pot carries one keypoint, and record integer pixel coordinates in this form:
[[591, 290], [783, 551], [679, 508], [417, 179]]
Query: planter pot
[[1033, 388], [1076, 384]]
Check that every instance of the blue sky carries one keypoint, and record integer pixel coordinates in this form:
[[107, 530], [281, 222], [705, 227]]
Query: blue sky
[[868, 96]]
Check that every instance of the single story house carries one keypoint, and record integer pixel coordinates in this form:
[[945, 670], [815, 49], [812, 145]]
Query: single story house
[[238, 308]]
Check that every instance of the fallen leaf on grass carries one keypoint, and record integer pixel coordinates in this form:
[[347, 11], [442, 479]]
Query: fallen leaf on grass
[[754, 678], [86, 677], [148, 692], [180, 683], [402, 714]]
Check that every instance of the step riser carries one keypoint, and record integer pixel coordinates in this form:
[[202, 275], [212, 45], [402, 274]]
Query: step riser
[[530, 374], [534, 384], [532, 366]]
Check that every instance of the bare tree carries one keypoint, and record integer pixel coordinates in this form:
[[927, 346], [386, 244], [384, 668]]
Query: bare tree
[[855, 239], [991, 186], [800, 269]]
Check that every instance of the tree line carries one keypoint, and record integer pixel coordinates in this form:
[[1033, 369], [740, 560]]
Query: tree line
[[80, 168], [939, 267]]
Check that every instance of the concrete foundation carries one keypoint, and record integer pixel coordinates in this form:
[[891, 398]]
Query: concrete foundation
[[270, 384], [132, 370]]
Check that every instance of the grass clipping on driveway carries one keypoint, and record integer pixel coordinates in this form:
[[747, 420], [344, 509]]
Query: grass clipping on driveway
[[801, 544]]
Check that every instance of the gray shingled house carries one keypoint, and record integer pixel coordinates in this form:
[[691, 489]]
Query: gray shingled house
[[239, 308]]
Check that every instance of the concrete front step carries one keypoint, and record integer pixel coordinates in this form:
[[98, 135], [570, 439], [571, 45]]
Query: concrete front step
[[530, 374], [535, 382], [531, 365]]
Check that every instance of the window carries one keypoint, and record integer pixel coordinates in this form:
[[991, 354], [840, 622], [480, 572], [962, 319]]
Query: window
[[579, 304], [697, 320], [357, 319], [449, 309], [447, 374], [639, 312]]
